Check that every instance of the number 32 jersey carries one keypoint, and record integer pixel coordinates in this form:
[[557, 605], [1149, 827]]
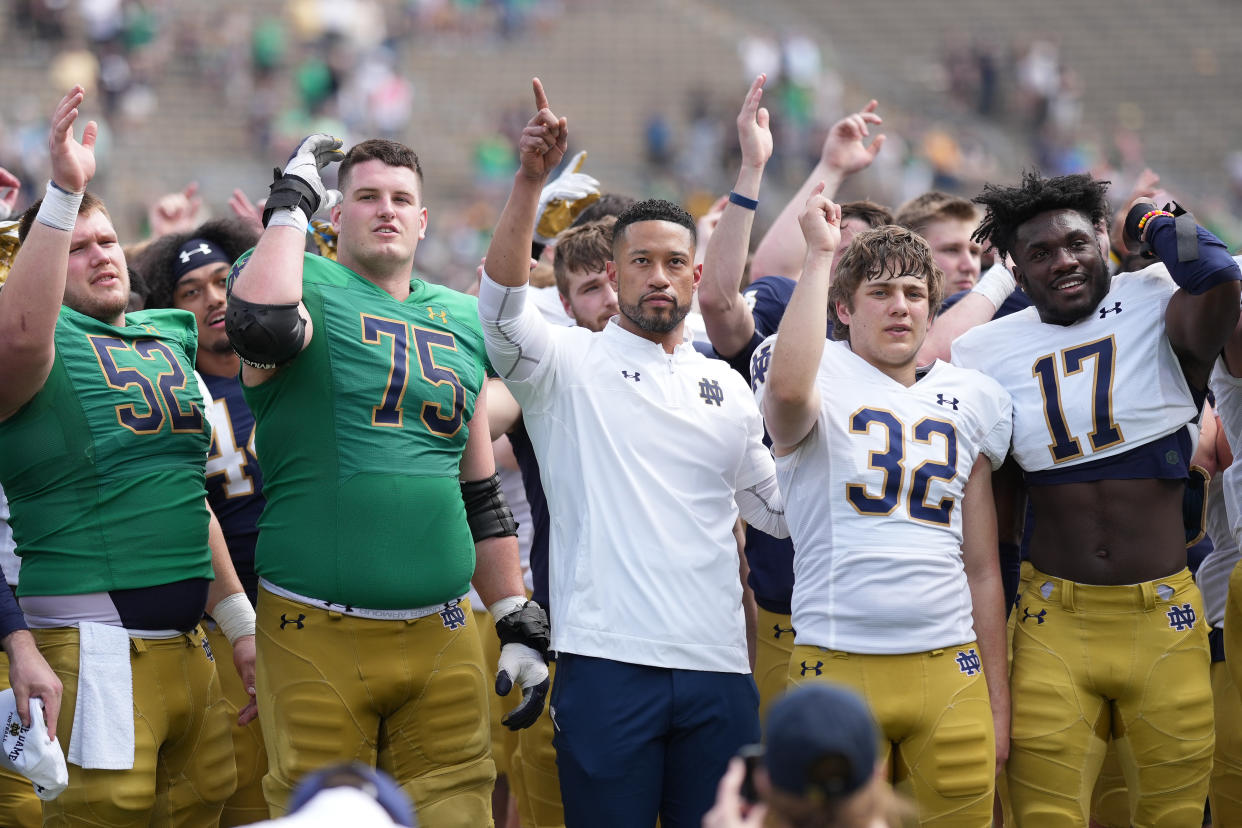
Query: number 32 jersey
[[1104, 385], [873, 497]]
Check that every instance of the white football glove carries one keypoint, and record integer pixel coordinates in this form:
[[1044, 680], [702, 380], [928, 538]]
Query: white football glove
[[312, 155], [563, 199], [523, 666]]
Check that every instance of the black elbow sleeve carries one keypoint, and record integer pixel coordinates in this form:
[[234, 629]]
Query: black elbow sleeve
[[487, 511], [264, 336]]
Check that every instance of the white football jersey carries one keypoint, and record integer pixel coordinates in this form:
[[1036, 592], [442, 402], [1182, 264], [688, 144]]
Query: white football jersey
[[873, 498], [1099, 387]]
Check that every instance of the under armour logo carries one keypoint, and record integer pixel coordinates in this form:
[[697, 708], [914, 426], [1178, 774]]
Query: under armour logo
[[207, 649], [203, 248], [968, 662], [778, 630], [759, 365], [1182, 618], [298, 620], [1038, 616], [634, 376], [453, 615], [432, 314], [817, 668], [711, 392], [940, 400], [1104, 312]]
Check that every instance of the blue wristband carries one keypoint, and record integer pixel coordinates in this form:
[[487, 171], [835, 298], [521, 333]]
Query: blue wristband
[[743, 201]]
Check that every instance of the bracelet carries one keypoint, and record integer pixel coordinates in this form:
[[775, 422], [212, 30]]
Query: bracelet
[[234, 616], [1150, 215], [742, 201], [59, 209]]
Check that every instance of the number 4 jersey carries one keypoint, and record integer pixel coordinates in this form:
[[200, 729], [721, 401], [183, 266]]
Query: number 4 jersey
[[1093, 390], [361, 438], [873, 497]]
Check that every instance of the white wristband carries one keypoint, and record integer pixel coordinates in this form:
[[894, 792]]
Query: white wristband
[[292, 217], [59, 209], [506, 605], [234, 616], [996, 285]]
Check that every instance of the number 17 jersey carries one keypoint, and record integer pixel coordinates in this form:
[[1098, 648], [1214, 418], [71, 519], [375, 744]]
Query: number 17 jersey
[[1089, 391], [873, 498]]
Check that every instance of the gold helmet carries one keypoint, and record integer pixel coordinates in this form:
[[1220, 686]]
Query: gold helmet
[[8, 247], [324, 235]]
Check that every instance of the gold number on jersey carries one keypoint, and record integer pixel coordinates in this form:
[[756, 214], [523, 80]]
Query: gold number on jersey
[[160, 398], [441, 420], [1105, 431], [890, 460]]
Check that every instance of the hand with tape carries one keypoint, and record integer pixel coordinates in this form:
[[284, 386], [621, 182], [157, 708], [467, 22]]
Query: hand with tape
[[524, 637], [298, 192]]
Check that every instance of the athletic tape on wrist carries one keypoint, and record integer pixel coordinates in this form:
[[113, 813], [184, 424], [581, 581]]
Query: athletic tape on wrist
[[506, 605], [996, 285], [59, 209], [291, 217], [235, 616]]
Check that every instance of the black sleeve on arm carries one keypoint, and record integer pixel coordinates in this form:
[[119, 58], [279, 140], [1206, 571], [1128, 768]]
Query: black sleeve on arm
[[11, 617]]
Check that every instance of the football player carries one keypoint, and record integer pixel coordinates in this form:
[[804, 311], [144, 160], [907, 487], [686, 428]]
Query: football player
[[1105, 374], [886, 474]]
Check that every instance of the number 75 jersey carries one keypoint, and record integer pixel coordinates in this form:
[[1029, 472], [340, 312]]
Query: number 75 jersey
[[1104, 385], [873, 497]]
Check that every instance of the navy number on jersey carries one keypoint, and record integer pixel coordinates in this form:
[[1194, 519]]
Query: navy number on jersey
[[160, 397], [890, 459], [439, 419], [1105, 432]]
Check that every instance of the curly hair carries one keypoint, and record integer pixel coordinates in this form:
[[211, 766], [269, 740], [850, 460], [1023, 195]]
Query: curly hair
[[883, 253], [1008, 208], [155, 264], [653, 209]]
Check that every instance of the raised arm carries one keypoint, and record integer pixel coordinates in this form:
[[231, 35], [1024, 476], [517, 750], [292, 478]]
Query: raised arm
[[517, 340], [729, 323], [782, 248], [540, 149], [267, 323], [791, 401], [31, 299], [1202, 314], [972, 310]]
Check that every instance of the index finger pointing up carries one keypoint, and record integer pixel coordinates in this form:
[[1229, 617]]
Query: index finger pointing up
[[541, 100]]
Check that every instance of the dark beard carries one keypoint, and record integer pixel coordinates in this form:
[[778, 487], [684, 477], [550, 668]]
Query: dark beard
[[657, 323]]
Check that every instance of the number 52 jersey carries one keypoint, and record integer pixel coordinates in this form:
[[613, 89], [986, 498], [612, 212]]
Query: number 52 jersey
[[873, 498], [1102, 386]]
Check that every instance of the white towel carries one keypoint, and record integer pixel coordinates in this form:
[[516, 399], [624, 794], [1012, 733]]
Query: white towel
[[103, 718]]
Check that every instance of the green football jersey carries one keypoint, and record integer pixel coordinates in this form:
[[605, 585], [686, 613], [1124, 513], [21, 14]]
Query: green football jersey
[[104, 467], [360, 438]]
